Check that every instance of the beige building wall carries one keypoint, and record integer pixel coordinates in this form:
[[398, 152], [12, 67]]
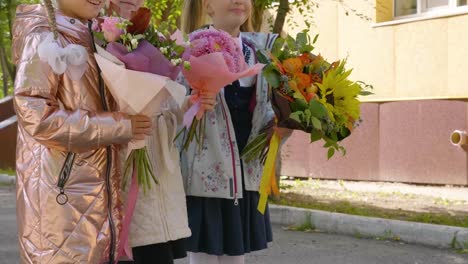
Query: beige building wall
[[424, 59]]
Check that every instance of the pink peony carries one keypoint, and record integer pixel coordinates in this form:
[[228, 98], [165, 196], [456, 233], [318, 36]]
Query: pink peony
[[110, 29], [209, 41]]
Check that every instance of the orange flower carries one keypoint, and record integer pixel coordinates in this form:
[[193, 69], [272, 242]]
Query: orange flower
[[316, 78], [298, 85], [305, 58], [293, 65], [293, 85], [317, 59], [311, 92], [281, 68], [278, 64], [350, 124], [303, 80], [310, 97]]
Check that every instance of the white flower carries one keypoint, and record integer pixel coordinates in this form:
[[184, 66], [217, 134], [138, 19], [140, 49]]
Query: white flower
[[134, 43], [163, 50], [176, 62], [139, 36]]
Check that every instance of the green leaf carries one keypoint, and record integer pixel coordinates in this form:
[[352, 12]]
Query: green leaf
[[331, 152], [332, 136], [296, 116], [365, 93], [179, 49], [307, 117], [317, 109], [315, 39], [344, 133], [307, 49], [99, 35], [343, 150], [272, 76], [299, 105], [291, 43], [315, 135], [278, 46], [302, 39], [263, 57], [316, 122]]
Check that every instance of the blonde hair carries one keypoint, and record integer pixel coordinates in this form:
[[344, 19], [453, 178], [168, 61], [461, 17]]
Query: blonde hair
[[51, 15], [194, 17]]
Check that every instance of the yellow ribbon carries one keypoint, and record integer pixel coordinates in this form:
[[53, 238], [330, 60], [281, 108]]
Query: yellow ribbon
[[268, 184]]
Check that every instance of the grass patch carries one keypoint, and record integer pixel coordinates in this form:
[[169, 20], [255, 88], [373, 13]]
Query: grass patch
[[460, 219], [388, 236], [9, 171], [305, 227]]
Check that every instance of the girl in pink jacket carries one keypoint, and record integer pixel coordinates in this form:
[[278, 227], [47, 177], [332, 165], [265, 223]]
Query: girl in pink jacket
[[69, 137]]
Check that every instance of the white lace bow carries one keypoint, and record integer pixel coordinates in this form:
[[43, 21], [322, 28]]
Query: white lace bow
[[72, 59]]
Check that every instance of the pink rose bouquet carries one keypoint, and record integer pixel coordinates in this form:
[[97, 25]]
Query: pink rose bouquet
[[216, 60]]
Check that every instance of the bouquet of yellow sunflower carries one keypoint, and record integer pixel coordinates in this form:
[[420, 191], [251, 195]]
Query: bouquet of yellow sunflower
[[308, 94]]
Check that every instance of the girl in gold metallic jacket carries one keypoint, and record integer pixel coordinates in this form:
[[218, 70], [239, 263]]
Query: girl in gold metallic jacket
[[69, 137]]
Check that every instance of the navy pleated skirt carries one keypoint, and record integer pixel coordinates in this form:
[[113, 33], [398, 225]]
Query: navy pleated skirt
[[221, 228]]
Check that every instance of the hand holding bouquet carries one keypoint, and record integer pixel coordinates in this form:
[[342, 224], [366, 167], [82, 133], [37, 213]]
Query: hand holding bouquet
[[138, 63], [308, 94], [216, 60]]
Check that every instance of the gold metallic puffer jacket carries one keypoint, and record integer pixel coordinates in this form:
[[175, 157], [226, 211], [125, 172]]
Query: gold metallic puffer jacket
[[68, 147]]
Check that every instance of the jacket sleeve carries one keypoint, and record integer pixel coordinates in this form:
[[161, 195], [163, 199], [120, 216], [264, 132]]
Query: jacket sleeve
[[46, 120]]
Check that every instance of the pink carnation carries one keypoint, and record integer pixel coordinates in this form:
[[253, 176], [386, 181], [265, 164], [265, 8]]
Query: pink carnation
[[110, 29], [211, 40]]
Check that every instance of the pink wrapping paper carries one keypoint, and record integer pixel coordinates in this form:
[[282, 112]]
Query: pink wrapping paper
[[210, 73]]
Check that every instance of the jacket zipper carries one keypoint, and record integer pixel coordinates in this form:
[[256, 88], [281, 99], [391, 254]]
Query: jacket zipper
[[236, 201], [109, 159], [64, 175]]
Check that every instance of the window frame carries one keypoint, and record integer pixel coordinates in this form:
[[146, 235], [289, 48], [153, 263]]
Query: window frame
[[422, 10]]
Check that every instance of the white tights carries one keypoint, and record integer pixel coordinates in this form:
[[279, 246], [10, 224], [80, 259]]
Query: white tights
[[202, 258]]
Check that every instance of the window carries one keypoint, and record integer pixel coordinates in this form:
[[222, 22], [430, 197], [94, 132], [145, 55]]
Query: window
[[434, 4], [405, 8]]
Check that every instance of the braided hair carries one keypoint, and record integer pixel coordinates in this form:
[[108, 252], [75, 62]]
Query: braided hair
[[51, 15]]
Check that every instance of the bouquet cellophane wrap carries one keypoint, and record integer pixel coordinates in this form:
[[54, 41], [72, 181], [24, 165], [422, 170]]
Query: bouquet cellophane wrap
[[137, 92]]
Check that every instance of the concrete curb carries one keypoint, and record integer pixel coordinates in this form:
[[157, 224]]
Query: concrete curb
[[410, 232], [6, 179]]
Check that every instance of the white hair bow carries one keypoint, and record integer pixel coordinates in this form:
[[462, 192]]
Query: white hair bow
[[72, 59]]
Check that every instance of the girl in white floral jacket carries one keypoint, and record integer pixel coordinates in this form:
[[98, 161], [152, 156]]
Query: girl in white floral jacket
[[222, 190]]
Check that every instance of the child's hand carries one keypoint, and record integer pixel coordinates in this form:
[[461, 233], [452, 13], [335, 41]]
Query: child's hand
[[141, 126], [208, 100]]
